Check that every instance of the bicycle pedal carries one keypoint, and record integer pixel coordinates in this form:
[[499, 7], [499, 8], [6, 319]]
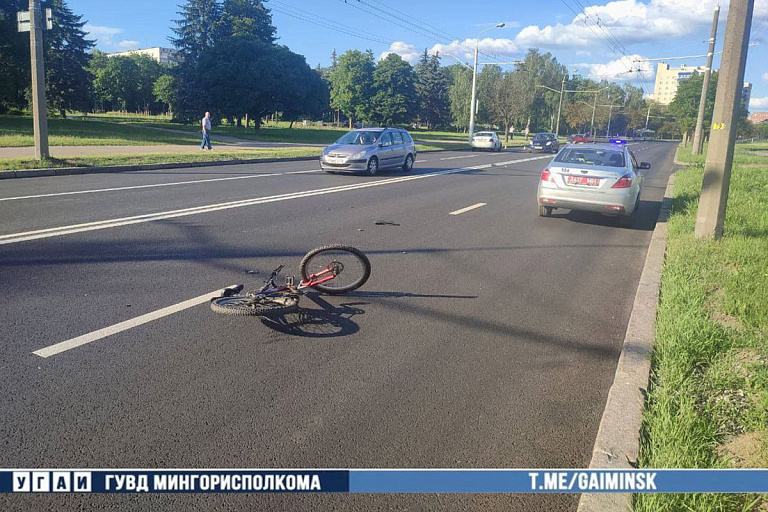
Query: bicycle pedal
[[232, 290]]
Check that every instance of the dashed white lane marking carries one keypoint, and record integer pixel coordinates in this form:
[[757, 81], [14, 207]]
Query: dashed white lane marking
[[303, 172], [58, 348], [455, 157], [468, 208]]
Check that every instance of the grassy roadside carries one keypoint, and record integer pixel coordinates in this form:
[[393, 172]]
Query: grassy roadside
[[8, 164], [707, 406], [17, 131]]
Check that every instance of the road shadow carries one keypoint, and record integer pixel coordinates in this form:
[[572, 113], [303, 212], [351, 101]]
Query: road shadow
[[327, 322], [645, 218]]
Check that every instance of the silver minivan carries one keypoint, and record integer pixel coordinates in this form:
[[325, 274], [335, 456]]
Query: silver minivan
[[370, 150]]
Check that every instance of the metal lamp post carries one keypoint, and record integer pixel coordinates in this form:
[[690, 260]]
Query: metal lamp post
[[472, 106]]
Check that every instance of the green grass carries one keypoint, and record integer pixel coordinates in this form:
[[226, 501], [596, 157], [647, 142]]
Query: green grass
[[747, 153], [709, 383], [16, 131], [157, 158]]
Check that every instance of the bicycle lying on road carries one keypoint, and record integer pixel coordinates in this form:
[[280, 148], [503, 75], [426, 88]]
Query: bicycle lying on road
[[331, 269]]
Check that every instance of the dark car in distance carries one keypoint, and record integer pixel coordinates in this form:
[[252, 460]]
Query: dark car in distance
[[544, 142]]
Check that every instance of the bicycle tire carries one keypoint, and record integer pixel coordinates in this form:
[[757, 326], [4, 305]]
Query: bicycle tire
[[337, 290], [240, 305]]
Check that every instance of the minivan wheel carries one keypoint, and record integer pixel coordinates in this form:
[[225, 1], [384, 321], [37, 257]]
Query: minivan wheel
[[408, 165], [373, 166]]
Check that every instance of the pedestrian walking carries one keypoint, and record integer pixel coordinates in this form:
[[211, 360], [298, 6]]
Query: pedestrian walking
[[206, 125]]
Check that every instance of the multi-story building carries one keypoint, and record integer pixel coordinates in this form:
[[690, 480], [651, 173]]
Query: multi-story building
[[165, 56], [746, 93], [668, 79], [759, 117]]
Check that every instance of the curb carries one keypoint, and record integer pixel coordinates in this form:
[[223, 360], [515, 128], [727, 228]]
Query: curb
[[618, 439], [69, 171]]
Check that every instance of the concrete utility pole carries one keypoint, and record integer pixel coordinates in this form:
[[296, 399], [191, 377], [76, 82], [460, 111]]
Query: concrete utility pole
[[717, 170], [592, 124], [698, 138], [648, 116], [560, 106], [39, 108], [473, 104]]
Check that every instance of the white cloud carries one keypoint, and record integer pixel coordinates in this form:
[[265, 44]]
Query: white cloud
[[128, 45], [105, 38], [629, 21], [463, 50], [408, 52], [626, 68], [765, 77], [758, 103]]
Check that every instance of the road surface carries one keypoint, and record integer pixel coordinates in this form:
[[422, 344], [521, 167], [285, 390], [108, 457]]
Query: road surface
[[486, 338]]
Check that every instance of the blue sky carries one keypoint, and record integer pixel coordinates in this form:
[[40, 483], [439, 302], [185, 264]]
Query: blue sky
[[595, 38]]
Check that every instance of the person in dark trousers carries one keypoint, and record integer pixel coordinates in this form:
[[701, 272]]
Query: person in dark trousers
[[206, 125]]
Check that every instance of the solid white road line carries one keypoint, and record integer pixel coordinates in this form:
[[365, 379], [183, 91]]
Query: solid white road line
[[150, 217], [455, 157], [468, 208], [58, 348], [133, 187]]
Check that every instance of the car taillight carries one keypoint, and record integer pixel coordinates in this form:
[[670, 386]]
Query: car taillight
[[546, 175], [624, 182]]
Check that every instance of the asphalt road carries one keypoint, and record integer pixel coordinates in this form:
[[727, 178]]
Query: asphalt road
[[484, 339]]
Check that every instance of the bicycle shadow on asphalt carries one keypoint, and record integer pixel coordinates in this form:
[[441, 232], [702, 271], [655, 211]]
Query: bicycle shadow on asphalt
[[330, 321]]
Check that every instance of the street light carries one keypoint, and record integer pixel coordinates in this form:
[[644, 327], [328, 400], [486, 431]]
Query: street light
[[472, 106]]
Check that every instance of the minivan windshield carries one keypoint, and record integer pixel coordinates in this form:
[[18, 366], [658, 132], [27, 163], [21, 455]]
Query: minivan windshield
[[591, 156], [541, 136], [361, 138], [484, 134]]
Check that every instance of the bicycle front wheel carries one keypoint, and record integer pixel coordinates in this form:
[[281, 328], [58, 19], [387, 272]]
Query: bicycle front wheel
[[245, 306], [350, 267]]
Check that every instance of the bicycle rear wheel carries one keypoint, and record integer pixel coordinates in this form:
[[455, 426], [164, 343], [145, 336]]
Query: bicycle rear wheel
[[351, 267], [240, 305]]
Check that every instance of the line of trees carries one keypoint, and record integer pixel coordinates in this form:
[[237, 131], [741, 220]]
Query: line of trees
[[232, 66]]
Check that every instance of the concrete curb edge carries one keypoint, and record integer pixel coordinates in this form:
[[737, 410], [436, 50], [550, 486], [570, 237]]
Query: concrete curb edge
[[617, 444], [68, 171]]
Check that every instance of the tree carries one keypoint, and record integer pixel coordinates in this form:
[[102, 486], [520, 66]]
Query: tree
[[198, 30], [395, 96], [432, 83], [541, 69], [115, 83], [164, 90], [248, 18], [149, 71], [459, 95], [685, 106], [352, 84], [487, 79], [303, 91], [67, 53]]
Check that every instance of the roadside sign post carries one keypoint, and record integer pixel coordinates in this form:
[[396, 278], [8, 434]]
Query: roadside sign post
[[717, 170], [698, 138], [32, 21]]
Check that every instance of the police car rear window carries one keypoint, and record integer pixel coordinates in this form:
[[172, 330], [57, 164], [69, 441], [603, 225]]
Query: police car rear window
[[591, 156]]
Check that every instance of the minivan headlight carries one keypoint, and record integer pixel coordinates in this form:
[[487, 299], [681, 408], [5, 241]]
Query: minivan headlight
[[359, 155], [549, 143]]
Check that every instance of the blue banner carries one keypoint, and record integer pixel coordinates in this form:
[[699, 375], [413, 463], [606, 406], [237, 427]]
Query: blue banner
[[384, 481]]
